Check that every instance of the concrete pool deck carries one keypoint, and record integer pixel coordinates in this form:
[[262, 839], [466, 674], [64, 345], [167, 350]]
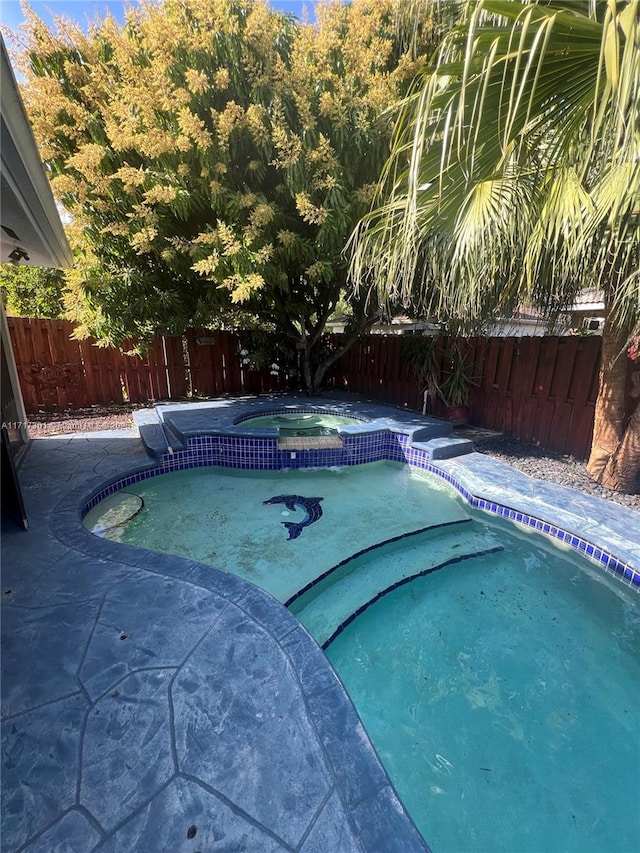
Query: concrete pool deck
[[151, 703]]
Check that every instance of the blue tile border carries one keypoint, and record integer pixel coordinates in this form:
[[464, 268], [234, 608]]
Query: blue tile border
[[262, 453]]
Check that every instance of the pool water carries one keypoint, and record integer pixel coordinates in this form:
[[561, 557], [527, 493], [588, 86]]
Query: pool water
[[218, 516], [300, 421], [496, 674], [514, 720]]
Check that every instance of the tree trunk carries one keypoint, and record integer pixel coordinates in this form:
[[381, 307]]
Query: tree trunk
[[305, 357], [623, 467], [608, 423], [348, 341]]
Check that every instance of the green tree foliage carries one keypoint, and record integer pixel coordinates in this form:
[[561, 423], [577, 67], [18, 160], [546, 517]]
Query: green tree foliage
[[32, 291], [215, 155], [515, 177]]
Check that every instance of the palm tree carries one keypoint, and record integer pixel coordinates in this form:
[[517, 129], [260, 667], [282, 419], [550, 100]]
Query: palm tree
[[514, 178]]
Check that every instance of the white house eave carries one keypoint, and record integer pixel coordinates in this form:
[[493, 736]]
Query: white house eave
[[28, 207]]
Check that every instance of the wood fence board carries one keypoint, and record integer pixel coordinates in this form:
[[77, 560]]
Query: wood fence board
[[80, 391], [92, 371], [560, 433], [191, 358], [145, 372], [582, 431], [365, 377], [545, 367], [514, 391], [529, 407], [543, 419], [507, 416], [203, 374], [587, 363], [62, 365], [587, 356], [377, 384], [20, 355], [41, 364], [491, 360], [505, 366], [567, 349], [233, 376], [592, 396], [176, 366], [479, 400], [405, 389], [160, 386]]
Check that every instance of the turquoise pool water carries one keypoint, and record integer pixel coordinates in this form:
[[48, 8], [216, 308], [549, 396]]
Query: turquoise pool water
[[218, 516], [499, 688], [300, 421], [513, 724]]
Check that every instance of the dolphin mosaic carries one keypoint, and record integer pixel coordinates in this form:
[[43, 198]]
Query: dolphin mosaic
[[310, 505]]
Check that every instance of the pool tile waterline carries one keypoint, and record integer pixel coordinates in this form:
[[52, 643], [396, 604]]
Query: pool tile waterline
[[383, 445]]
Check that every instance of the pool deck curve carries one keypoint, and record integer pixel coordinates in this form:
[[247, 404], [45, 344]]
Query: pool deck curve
[[152, 703]]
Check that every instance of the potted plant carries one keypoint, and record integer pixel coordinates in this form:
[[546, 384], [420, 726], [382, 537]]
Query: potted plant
[[422, 355], [456, 385]]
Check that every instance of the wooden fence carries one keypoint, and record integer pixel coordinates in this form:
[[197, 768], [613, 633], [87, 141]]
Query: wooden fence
[[539, 389], [57, 372]]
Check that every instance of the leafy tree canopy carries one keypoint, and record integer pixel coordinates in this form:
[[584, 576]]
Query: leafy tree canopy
[[31, 291], [215, 155]]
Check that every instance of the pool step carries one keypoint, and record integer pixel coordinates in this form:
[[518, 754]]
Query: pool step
[[151, 432], [444, 448], [158, 436], [345, 591], [175, 439]]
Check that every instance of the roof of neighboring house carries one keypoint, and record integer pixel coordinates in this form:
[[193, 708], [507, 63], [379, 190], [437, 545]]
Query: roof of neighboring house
[[29, 219], [589, 299]]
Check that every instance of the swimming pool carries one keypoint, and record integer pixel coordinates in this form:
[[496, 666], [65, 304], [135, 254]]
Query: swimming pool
[[418, 593]]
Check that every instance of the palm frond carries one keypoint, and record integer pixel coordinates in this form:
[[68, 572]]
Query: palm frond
[[515, 158]]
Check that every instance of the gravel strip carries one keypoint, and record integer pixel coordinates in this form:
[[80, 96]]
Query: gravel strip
[[546, 465], [82, 420], [527, 458]]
